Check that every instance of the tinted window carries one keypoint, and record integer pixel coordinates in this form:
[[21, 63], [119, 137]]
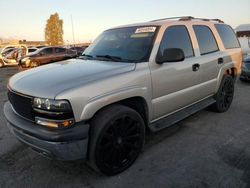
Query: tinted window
[[48, 51], [206, 40], [32, 50], [227, 36], [177, 37], [60, 50]]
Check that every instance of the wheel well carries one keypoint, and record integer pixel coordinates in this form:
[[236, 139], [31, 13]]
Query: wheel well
[[136, 103], [232, 72], [139, 105]]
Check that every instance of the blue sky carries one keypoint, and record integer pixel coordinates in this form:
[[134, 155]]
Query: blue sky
[[26, 19]]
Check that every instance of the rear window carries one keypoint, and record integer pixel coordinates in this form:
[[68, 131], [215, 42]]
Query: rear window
[[206, 40], [227, 36]]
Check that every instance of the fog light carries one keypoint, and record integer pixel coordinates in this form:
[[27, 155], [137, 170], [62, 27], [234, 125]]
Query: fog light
[[53, 123]]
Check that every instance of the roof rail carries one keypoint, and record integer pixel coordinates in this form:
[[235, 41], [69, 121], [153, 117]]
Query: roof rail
[[173, 18], [188, 18]]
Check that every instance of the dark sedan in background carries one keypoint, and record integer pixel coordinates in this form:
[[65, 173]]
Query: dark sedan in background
[[47, 55], [245, 74]]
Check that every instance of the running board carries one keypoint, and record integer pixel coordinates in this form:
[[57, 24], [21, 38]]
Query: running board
[[180, 115]]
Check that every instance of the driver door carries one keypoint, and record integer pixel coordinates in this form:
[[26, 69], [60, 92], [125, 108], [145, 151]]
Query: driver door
[[175, 84]]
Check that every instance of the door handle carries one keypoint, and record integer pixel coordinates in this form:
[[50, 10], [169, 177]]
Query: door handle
[[220, 60], [196, 67]]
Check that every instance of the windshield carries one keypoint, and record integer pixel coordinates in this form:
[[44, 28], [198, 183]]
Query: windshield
[[132, 44]]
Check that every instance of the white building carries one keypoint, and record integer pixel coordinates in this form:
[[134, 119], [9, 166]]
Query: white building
[[243, 34]]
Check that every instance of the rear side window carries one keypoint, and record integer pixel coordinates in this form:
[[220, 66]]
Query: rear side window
[[177, 37], [60, 50], [48, 51], [227, 36], [206, 40]]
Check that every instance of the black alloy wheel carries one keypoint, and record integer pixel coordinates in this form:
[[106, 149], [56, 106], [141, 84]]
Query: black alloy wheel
[[225, 94], [119, 140]]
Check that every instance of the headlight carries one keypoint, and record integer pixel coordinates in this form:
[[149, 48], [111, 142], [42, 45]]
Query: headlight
[[51, 105], [25, 59], [53, 113]]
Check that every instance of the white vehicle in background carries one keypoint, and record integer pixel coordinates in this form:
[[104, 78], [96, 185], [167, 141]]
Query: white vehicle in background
[[243, 34], [10, 55]]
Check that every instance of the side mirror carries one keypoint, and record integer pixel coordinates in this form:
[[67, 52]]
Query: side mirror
[[170, 55]]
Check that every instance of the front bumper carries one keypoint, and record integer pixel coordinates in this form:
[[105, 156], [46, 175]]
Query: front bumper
[[65, 144], [245, 75]]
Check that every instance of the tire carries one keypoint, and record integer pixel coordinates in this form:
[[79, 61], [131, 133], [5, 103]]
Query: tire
[[224, 96], [116, 139], [34, 64]]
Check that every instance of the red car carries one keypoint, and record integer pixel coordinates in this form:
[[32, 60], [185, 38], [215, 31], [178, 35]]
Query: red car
[[46, 55]]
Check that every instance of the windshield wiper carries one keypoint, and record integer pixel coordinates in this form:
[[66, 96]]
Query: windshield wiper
[[85, 56], [113, 58]]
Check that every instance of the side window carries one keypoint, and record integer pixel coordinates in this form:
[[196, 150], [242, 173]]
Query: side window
[[48, 51], [60, 50], [227, 36], [206, 40], [177, 37]]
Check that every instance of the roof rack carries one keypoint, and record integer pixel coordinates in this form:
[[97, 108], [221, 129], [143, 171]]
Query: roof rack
[[188, 18]]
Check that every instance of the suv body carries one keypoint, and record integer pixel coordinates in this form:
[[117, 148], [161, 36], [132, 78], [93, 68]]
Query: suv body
[[100, 105], [46, 55]]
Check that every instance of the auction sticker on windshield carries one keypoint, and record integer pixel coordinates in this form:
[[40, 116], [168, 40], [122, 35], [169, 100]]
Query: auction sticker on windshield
[[145, 30]]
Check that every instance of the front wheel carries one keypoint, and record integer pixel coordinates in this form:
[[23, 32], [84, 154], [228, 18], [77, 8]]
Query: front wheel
[[116, 139], [224, 96], [34, 64]]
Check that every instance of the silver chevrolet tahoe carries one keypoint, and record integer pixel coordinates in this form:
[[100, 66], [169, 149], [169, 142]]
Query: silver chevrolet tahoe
[[132, 79]]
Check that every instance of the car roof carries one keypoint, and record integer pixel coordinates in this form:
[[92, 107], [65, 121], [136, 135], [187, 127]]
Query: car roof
[[173, 20]]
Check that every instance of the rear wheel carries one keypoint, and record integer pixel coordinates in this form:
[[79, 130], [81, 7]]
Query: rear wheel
[[224, 96], [117, 138]]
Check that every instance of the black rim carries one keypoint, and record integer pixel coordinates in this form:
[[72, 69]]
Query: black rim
[[227, 93], [120, 144]]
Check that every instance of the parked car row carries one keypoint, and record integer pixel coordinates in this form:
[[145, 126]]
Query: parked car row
[[36, 56]]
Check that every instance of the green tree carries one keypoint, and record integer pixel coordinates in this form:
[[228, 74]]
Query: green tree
[[54, 30]]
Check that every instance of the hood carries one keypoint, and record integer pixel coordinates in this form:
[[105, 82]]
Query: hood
[[49, 80]]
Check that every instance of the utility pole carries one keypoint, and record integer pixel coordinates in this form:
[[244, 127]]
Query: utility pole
[[73, 32]]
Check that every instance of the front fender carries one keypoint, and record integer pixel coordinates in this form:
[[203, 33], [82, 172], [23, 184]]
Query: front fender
[[97, 103]]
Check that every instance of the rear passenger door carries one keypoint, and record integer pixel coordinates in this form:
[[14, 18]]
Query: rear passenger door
[[175, 84], [210, 59], [60, 54]]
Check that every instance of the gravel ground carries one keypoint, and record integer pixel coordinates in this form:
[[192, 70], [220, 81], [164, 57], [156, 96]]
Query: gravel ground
[[205, 150]]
